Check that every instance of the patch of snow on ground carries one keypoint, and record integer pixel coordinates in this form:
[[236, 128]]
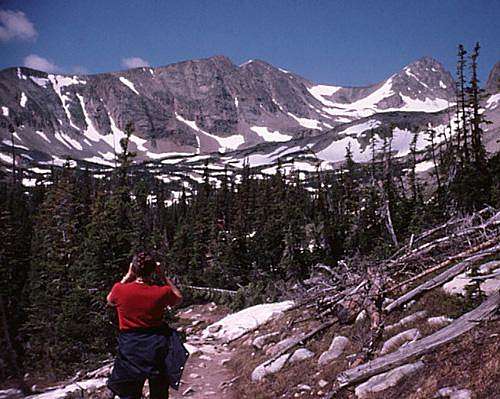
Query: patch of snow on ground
[[5, 111], [235, 325], [23, 99], [319, 91], [423, 166], [60, 393], [236, 102], [489, 286], [441, 84], [129, 84], [336, 151], [493, 101], [139, 142], [6, 158], [98, 160], [267, 135]]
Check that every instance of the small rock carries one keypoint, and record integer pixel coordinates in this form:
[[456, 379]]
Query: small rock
[[195, 323], [272, 350], [454, 393], [210, 393], [336, 348], [322, 383], [214, 328], [202, 365], [205, 357], [439, 321], [194, 375], [406, 320], [400, 339], [304, 387], [224, 361], [361, 317], [269, 368], [259, 342], [320, 393], [301, 354]]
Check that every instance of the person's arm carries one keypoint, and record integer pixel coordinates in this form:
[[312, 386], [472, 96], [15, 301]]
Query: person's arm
[[129, 277], [111, 298], [175, 291], [165, 280]]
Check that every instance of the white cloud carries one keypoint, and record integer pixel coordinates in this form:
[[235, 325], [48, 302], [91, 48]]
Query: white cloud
[[15, 25], [42, 64], [134, 62]]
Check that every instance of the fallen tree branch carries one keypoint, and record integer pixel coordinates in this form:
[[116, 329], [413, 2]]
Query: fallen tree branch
[[210, 289], [429, 246], [301, 340], [445, 263], [420, 347], [442, 278]]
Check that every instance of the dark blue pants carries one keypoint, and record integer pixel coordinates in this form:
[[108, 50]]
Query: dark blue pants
[[158, 389]]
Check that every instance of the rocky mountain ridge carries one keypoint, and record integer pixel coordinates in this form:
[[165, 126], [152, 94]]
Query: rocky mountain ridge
[[199, 106]]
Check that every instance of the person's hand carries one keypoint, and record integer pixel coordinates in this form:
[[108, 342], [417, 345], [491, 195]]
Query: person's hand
[[130, 276]]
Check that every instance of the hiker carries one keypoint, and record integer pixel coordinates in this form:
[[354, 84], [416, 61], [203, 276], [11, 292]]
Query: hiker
[[147, 348]]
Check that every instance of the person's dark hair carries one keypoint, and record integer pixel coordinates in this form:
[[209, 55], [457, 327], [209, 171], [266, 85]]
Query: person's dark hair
[[143, 264]]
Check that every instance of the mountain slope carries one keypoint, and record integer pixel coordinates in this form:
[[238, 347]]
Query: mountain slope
[[198, 106]]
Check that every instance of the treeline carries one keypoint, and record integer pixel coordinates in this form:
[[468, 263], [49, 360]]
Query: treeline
[[64, 244]]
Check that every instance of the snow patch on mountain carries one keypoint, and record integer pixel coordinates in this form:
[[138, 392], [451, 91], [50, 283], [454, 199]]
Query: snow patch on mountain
[[306, 122], [319, 91], [90, 132], [43, 135], [268, 135], [58, 82], [361, 127], [23, 100], [42, 82], [231, 142], [129, 84], [428, 105], [5, 111]]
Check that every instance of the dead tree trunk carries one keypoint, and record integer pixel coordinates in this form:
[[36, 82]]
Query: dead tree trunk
[[422, 346]]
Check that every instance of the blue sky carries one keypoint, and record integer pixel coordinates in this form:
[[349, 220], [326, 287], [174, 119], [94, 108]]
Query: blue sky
[[339, 42]]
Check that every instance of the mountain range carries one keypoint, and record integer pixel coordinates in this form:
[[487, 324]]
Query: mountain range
[[213, 109]]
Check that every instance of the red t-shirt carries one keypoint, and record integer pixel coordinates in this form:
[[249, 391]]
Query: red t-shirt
[[140, 305]]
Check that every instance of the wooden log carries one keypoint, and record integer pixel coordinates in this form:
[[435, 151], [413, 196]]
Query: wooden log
[[443, 277], [445, 263], [408, 352]]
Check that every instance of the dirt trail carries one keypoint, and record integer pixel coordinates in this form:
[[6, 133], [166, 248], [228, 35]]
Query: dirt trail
[[206, 373]]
